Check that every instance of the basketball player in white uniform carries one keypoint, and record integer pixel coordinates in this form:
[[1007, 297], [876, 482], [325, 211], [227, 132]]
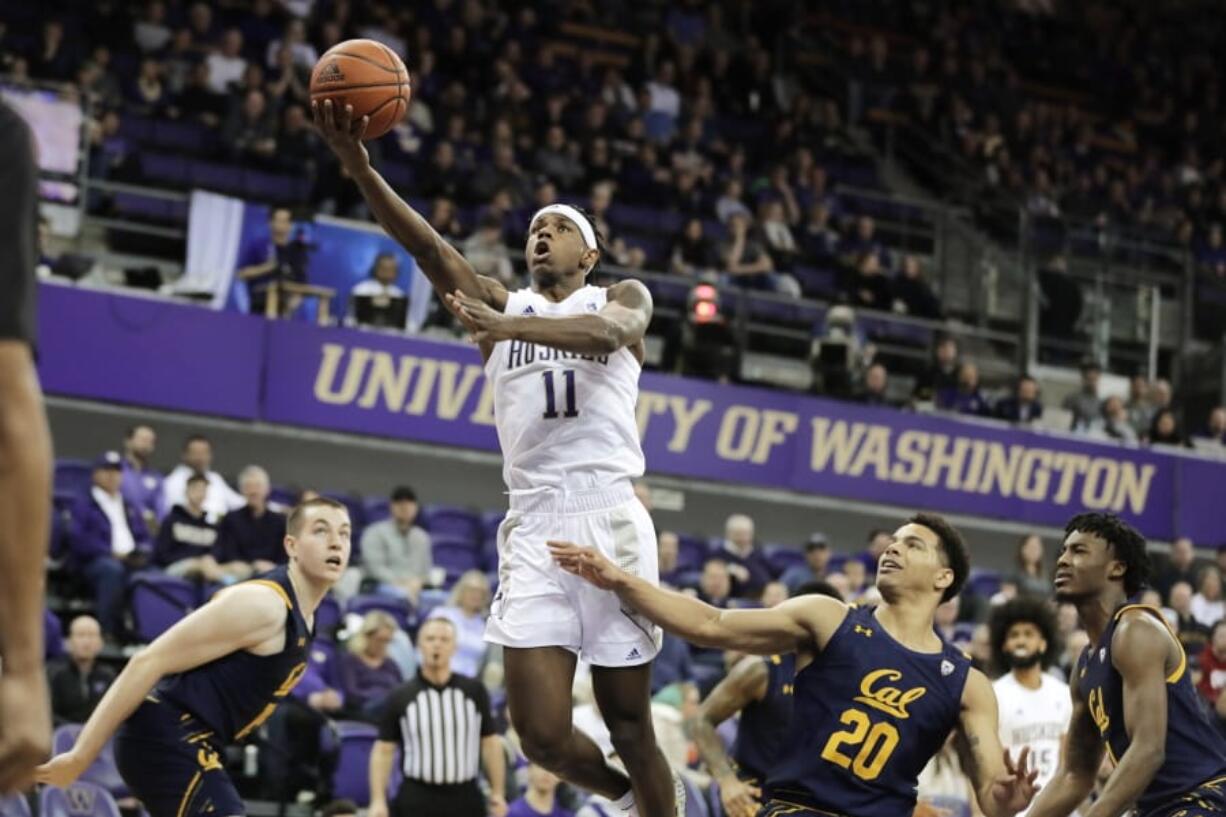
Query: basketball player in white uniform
[[564, 360], [1035, 706]]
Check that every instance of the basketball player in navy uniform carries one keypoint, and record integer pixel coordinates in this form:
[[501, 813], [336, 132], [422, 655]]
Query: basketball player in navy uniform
[[1132, 691], [214, 677], [760, 689], [876, 692]]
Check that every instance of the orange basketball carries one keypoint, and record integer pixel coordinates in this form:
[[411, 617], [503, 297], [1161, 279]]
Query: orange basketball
[[367, 75]]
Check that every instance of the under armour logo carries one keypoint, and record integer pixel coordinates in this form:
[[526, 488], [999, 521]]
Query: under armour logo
[[331, 73], [947, 667], [866, 631], [634, 654], [528, 310]]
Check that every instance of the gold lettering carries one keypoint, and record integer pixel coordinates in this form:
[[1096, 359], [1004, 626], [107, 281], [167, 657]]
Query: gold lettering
[[1001, 470], [1098, 490], [1098, 710], [1034, 477], [875, 451], [940, 459], [1069, 466], [333, 353], [685, 417], [451, 397], [390, 377], [979, 450], [910, 453], [483, 414], [737, 432], [423, 387], [887, 699], [649, 403], [1133, 487], [776, 425], [832, 440]]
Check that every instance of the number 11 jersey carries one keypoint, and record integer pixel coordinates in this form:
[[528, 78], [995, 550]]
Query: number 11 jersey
[[869, 714], [565, 421]]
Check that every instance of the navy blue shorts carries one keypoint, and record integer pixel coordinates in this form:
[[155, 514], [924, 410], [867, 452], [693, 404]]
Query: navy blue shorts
[[172, 763], [1206, 800]]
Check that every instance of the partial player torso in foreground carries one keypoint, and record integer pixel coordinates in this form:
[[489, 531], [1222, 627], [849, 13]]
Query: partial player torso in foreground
[[1195, 750], [1037, 718], [565, 421], [869, 714], [763, 731]]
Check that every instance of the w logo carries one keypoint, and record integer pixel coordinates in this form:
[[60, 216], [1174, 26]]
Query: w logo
[[80, 799]]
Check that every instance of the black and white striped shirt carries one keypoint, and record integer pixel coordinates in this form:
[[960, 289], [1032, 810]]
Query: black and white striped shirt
[[438, 729]]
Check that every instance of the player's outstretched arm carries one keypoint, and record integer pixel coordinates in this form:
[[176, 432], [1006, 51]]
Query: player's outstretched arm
[[622, 322], [747, 682], [800, 623], [1138, 650], [1080, 756], [1002, 787], [447, 269], [245, 616]]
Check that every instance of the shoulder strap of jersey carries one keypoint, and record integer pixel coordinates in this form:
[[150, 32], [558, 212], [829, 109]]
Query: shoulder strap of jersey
[[1182, 667]]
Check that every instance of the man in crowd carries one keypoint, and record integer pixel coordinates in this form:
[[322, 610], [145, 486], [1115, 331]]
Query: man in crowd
[[78, 683], [1084, 403], [250, 538], [817, 558], [746, 564], [197, 457], [186, 541], [396, 551], [142, 483]]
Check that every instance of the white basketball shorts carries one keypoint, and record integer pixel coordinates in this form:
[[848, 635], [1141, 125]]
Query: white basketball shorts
[[540, 605]]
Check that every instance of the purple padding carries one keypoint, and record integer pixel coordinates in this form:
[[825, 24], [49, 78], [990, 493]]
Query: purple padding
[[781, 557], [455, 556], [398, 609], [73, 477], [81, 799], [14, 805], [455, 523], [160, 167], [327, 617], [351, 781], [159, 602]]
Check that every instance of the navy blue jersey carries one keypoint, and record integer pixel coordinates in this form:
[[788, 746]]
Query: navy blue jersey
[[764, 724], [869, 714], [234, 694], [1195, 751]]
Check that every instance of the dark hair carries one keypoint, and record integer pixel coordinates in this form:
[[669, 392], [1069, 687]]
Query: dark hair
[[375, 264], [818, 587], [1090, 366], [197, 476], [297, 516], [196, 438], [337, 807], [130, 432], [952, 545], [1024, 609], [874, 533], [1021, 544], [1126, 543], [1221, 622], [403, 493]]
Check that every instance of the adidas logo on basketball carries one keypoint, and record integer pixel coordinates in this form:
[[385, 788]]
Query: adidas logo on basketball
[[331, 73]]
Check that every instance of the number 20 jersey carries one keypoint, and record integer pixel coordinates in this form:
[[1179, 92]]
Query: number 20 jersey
[[565, 421], [868, 716]]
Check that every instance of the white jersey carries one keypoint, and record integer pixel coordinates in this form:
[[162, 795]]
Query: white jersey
[[565, 421], [1037, 718]]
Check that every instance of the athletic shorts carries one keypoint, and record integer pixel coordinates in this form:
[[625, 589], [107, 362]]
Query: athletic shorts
[[540, 605], [172, 763], [1206, 800]]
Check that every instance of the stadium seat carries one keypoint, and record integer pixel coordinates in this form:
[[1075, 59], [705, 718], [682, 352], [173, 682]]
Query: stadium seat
[[103, 771], [376, 509], [491, 521], [695, 802], [14, 805], [73, 477], [158, 601], [780, 557], [489, 553], [430, 599], [455, 555], [53, 635], [983, 582], [456, 523], [81, 799], [692, 551], [327, 618], [350, 781], [399, 609]]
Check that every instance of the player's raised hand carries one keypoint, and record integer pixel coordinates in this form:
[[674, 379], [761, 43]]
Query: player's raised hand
[[484, 323], [587, 563], [1015, 789], [740, 799], [61, 770], [342, 132]]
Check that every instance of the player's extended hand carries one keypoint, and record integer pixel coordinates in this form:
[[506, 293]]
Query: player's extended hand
[[497, 805], [740, 799], [484, 323], [25, 729], [342, 133], [61, 770], [377, 809], [587, 563], [1014, 790]]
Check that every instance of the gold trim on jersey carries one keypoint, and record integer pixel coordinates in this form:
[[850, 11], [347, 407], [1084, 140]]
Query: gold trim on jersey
[[788, 807], [1183, 656], [187, 795], [280, 590]]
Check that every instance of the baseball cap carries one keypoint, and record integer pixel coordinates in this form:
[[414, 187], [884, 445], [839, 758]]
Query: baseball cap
[[109, 459], [403, 493], [816, 540]]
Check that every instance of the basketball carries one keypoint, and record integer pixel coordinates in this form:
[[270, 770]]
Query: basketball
[[367, 75]]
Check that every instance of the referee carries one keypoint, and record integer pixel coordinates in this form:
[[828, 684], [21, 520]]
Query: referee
[[25, 471], [441, 723]]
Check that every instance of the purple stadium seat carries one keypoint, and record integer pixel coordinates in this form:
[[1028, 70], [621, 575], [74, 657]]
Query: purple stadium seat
[[283, 495], [491, 520], [103, 771], [327, 617], [81, 799], [159, 167], [73, 477], [350, 781], [398, 609], [376, 509], [158, 602], [431, 599], [53, 635], [14, 805], [216, 176], [695, 802], [453, 523], [277, 187], [837, 560], [489, 553], [357, 512], [455, 555], [983, 582], [781, 557], [691, 552]]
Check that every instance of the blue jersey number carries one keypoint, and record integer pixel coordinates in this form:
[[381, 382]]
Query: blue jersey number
[[877, 742], [551, 402]]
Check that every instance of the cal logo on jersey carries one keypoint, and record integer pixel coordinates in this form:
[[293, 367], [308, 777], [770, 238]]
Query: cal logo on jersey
[[877, 692]]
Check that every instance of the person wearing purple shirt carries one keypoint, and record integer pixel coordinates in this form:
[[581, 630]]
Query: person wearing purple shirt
[[366, 673], [540, 797], [967, 398], [142, 484]]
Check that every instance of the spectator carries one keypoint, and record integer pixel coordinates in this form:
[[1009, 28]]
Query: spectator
[[819, 238], [780, 242], [912, 294], [1084, 404], [775, 593], [730, 203], [467, 610], [1192, 633], [1215, 428], [1213, 668], [226, 65], [817, 558], [186, 541], [251, 539], [876, 544], [867, 286], [279, 257], [396, 553], [558, 159], [367, 675], [380, 287], [1180, 566], [150, 32], [715, 582], [942, 373], [304, 53], [300, 764], [1024, 405], [110, 539], [857, 578], [672, 663], [1113, 423], [198, 102], [1032, 577], [1140, 409], [442, 175], [197, 457], [488, 254], [79, 681], [142, 483], [1165, 430], [148, 94], [746, 564], [540, 796], [876, 386], [747, 262], [1207, 605], [967, 398], [288, 83], [666, 556], [500, 174], [250, 132], [1159, 396], [297, 144], [693, 253]]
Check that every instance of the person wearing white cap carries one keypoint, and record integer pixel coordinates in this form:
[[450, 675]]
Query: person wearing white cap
[[563, 358]]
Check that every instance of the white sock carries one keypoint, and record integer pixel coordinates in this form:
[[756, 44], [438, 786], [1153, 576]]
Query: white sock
[[625, 804]]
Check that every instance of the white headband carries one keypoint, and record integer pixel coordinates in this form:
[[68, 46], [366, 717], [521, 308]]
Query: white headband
[[566, 211]]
